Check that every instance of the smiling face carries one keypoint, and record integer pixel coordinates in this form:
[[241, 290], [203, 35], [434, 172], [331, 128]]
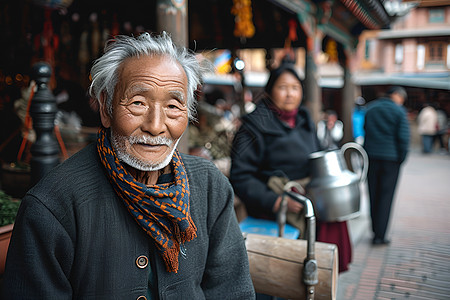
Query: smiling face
[[287, 92], [149, 111]]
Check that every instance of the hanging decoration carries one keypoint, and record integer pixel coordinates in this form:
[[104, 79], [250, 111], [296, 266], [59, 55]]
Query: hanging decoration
[[292, 37], [244, 27], [331, 50], [292, 30]]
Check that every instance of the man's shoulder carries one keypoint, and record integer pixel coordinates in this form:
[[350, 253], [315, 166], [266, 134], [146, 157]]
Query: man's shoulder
[[69, 186], [383, 105], [201, 168], [197, 164], [84, 160], [78, 171], [383, 101]]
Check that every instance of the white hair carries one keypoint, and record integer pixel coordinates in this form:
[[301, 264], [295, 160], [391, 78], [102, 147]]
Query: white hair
[[104, 71]]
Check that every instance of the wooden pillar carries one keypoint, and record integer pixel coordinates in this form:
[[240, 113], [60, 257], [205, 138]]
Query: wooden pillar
[[172, 17], [349, 94], [313, 92], [348, 97]]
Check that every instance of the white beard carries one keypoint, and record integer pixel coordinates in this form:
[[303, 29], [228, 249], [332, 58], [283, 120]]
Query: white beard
[[120, 146]]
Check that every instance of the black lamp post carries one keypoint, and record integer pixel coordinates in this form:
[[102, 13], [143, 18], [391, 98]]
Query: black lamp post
[[43, 110], [239, 65]]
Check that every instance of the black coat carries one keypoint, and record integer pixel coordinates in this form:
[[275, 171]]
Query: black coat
[[262, 147], [74, 239]]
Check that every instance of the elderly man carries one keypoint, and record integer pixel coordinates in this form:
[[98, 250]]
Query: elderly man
[[129, 217], [386, 143]]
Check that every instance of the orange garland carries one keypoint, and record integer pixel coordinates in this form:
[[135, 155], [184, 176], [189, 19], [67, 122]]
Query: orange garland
[[242, 10]]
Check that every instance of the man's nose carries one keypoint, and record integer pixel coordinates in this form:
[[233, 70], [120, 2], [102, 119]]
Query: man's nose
[[154, 122]]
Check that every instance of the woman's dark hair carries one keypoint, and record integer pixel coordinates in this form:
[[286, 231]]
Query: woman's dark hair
[[276, 73]]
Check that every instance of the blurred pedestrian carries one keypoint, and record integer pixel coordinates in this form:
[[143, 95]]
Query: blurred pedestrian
[[275, 140], [358, 116], [330, 130], [387, 143], [441, 132], [427, 125]]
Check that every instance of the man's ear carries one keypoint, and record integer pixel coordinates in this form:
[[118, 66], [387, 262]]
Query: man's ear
[[105, 117]]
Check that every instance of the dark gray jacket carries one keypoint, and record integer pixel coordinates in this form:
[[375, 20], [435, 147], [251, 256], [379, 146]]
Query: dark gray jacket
[[74, 239], [387, 131]]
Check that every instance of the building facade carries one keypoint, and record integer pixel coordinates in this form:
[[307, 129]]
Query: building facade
[[413, 53]]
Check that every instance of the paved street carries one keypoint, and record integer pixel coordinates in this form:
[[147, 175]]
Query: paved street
[[416, 265]]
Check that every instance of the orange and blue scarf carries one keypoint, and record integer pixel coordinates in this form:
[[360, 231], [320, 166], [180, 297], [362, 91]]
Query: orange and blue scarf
[[161, 210]]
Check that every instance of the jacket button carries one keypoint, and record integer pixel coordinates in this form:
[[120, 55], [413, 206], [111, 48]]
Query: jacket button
[[141, 298], [142, 262]]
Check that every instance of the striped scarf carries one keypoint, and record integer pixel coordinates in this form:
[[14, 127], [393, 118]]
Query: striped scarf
[[162, 210]]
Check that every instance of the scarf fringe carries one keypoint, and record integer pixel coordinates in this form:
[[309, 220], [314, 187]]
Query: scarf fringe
[[170, 257], [189, 234]]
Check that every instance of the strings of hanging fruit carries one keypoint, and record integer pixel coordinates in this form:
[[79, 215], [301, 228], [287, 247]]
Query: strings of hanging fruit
[[244, 27]]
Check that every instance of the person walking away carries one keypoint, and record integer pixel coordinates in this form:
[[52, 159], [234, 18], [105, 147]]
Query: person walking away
[[427, 122], [386, 143], [441, 129]]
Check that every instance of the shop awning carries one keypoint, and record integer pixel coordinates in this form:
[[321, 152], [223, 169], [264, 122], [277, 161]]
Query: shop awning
[[423, 80], [414, 33]]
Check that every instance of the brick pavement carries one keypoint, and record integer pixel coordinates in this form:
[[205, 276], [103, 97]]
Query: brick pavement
[[416, 265]]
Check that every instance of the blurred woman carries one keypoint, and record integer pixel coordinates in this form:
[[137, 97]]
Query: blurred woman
[[275, 140]]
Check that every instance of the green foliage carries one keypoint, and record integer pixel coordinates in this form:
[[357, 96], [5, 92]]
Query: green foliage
[[8, 209]]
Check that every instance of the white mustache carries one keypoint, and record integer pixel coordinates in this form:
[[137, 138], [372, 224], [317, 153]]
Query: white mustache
[[149, 140]]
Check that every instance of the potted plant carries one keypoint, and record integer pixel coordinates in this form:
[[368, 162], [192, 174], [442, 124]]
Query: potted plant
[[8, 211], [15, 178]]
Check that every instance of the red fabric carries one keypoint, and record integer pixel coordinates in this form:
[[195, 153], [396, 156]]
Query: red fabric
[[289, 117], [336, 233]]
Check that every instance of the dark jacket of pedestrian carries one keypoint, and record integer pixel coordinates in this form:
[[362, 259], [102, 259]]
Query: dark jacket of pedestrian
[[387, 131], [386, 143], [263, 146], [65, 260]]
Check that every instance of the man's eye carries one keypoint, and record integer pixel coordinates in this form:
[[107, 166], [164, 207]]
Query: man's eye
[[137, 107]]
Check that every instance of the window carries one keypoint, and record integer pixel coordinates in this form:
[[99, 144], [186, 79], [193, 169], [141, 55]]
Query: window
[[398, 54], [436, 15], [367, 49], [420, 56], [435, 52], [448, 56]]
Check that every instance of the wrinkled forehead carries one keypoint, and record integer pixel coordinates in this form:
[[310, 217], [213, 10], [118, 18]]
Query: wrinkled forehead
[[149, 63], [160, 70]]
